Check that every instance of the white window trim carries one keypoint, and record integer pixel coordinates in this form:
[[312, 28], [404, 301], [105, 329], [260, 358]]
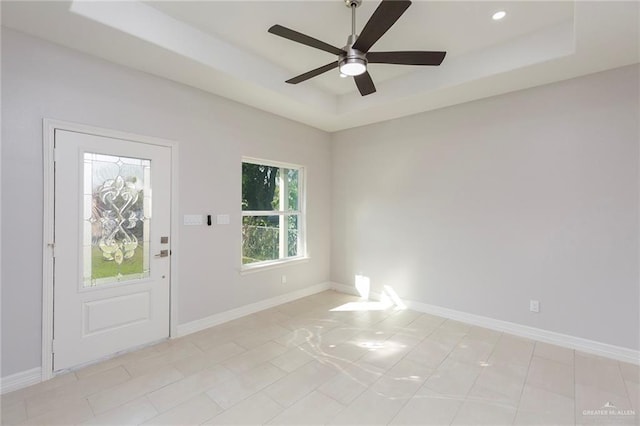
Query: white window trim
[[302, 220], [272, 264]]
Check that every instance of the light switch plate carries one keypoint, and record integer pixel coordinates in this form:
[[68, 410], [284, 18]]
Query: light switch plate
[[193, 219], [222, 219]]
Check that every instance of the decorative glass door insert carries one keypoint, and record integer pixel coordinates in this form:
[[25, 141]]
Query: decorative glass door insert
[[111, 279], [117, 209]]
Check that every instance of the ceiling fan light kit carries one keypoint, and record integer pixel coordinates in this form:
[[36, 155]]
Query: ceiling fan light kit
[[352, 62], [355, 56], [353, 66]]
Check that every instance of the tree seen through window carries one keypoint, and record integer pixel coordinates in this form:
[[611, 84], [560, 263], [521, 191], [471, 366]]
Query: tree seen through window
[[271, 222]]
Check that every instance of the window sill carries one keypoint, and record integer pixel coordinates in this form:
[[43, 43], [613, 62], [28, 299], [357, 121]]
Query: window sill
[[244, 270]]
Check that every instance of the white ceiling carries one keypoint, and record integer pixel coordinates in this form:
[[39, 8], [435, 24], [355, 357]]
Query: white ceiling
[[223, 47], [450, 26]]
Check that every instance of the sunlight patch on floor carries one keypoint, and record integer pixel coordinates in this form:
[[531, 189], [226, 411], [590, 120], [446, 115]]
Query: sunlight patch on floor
[[362, 306], [388, 298]]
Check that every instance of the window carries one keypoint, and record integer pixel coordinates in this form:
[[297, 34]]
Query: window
[[272, 212]]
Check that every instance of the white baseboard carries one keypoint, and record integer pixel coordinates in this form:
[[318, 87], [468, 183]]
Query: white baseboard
[[618, 353], [20, 380], [222, 317], [30, 377], [34, 375]]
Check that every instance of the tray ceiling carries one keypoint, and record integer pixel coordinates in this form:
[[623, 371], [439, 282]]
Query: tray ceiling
[[223, 47]]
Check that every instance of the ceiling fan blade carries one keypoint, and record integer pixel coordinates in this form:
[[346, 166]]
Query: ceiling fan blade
[[406, 58], [365, 84], [387, 13], [310, 74], [292, 35]]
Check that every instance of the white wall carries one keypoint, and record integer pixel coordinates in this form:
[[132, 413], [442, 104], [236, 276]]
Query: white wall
[[483, 206], [43, 80]]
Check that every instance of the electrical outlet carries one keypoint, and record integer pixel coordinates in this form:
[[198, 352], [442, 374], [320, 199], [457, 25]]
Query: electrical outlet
[[284, 279], [534, 305]]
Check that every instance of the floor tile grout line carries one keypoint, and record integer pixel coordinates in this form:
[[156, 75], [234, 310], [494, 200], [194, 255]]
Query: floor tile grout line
[[24, 398], [408, 399], [575, 391], [373, 383], [524, 383], [475, 381], [427, 378], [236, 377], [624, 383], [371, 328], [115, 357], [161, 413], [311, 391], [417, 389], [139, 396], [283, 408], [85, 397], [251, 394], [341, 403]]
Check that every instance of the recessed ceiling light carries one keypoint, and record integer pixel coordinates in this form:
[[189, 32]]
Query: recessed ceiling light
[[499, 15]]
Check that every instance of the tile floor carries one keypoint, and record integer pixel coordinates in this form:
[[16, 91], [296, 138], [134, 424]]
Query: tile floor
[[307, 362]]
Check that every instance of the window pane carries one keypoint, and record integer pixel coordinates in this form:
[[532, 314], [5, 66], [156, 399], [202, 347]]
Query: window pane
[[292, 185], [260, 187], [116, 219], [292, 235], [260, 239]]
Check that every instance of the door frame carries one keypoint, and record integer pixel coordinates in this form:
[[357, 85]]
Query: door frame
[[49, 126]]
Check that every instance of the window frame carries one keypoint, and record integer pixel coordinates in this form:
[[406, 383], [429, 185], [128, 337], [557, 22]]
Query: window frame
[[283, 215]]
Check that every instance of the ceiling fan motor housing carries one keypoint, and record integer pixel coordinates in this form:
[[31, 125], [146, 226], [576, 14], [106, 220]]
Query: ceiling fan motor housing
[[352, 56]]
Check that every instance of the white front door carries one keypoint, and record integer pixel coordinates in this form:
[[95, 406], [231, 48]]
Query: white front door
[[112, 246]]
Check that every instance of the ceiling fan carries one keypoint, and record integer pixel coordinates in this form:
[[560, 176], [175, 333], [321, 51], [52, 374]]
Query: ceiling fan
[[354, 57]]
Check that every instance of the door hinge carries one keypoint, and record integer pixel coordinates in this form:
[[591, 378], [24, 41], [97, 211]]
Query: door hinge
[[53, 346], [55, 155], [53, 249]]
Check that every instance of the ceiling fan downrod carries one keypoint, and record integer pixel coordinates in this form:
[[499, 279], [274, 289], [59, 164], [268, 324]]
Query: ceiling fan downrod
[[352, 62], [353, 4]]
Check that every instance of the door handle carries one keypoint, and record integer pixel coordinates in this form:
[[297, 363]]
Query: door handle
[[163, 253]]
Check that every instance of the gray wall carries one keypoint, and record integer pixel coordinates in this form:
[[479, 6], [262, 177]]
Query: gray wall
[[483, 206], [43, 80], [479, 207]]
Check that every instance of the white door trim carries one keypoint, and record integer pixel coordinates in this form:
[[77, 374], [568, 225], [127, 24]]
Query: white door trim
[[48, 136]]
